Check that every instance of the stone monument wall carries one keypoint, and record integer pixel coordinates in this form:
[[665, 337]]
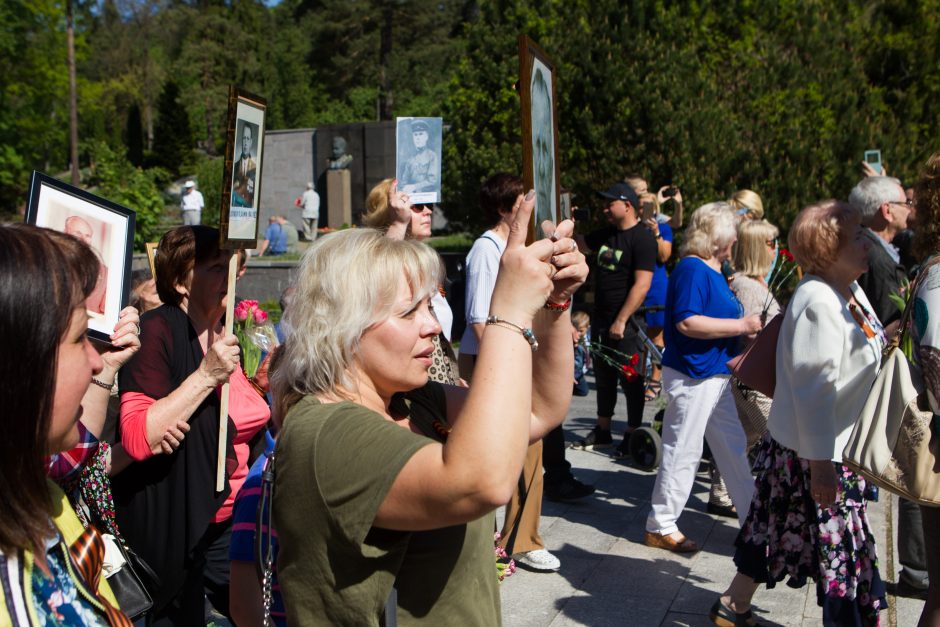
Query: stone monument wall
[[286, 169]]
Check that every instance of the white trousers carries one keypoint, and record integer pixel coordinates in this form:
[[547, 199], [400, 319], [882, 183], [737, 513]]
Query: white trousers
[[697, 408]]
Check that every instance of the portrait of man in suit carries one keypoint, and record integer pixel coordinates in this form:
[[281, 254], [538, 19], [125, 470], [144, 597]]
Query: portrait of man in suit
[[245, 169]]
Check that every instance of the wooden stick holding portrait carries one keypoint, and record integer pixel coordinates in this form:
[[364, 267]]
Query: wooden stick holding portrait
[[238, 215], [539, 133]]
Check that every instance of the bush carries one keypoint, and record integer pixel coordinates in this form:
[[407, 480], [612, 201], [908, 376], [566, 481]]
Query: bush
[[208, 175], [119, 181]]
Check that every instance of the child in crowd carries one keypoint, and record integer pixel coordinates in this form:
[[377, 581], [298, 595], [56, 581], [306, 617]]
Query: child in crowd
[[580, 321]]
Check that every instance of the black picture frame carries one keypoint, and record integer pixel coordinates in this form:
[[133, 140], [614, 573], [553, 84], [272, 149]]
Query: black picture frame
[[241, 186], [107, 227]]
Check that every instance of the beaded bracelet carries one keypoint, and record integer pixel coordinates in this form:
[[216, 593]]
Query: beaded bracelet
[[525, 331], [558, 307], [102, 384]]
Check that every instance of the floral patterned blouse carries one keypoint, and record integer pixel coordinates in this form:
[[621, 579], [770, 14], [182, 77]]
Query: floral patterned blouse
[[57, 599]]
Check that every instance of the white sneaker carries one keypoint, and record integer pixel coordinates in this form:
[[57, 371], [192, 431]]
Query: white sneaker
[[540, 560]]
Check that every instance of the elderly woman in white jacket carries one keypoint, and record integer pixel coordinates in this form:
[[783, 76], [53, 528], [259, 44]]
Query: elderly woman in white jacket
[[808, 516]]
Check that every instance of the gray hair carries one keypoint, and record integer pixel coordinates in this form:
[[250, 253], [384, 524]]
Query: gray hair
[[872, 192], [347, 282], [711, 227]]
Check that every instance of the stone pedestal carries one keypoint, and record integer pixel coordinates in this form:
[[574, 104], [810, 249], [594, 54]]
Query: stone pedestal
[[338, 198]]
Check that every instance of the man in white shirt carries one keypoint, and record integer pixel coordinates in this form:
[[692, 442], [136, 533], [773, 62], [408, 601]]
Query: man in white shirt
[[310, 204], [191, 203]]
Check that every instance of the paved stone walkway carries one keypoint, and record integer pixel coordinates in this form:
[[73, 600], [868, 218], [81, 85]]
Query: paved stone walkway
[[609, 577]]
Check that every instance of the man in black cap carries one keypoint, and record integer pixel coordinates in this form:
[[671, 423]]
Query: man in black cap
[[422, 171], [625, 257]]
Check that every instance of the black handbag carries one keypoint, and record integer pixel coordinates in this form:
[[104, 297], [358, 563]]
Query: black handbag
[[130, 583]]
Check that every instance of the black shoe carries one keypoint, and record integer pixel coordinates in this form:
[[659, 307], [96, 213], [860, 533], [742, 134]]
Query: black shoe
[[903, 589], [623, 449], [597, 439], [727, 511], [567, 490]]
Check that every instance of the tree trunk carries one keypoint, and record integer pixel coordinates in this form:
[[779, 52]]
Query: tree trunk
[[386, 97], [73, 91]]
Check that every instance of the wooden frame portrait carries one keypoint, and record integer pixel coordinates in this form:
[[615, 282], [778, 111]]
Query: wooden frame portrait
[[241, 186], [107, 228], [539, 133]]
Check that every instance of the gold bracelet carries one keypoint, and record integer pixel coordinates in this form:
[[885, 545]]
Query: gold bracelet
[[525, 331], [102, 384]]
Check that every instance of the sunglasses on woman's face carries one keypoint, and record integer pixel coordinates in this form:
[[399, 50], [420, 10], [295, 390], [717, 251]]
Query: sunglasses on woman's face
[[772, 242]]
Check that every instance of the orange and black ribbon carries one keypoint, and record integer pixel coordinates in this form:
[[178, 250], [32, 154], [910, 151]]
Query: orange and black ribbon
[[87, 554]]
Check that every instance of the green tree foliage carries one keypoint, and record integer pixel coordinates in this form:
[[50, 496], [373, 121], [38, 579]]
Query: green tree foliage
[[208, 174], [134, 137], [780, 97], [173, 138], [117, 180], [711, 96]]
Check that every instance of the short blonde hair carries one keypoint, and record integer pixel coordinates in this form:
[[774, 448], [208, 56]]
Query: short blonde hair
[[346, 283], [378, 212], [711, 228], [750, 202], [580, 319], [819, 231], [752, 257], [635, 182]]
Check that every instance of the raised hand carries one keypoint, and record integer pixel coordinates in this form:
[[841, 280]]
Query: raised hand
[[571, 269], [400, 202], [525, 276], [125, 341], [221, 360]]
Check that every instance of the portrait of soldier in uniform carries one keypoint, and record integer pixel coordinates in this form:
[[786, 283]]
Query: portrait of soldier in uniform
[[419, 164]]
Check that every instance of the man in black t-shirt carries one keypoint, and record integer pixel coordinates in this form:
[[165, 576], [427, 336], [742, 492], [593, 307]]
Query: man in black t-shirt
[[625, 257]]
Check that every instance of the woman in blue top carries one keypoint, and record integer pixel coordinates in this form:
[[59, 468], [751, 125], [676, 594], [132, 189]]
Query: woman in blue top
[[703, 325], [656, 296]]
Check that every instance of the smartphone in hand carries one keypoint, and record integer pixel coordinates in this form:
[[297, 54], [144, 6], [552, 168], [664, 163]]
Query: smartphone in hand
[[873, 159]]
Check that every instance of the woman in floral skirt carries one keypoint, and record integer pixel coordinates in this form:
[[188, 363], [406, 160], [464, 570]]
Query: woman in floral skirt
[[808, 516]]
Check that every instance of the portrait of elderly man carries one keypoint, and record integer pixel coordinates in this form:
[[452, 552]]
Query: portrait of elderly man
[[543, 143], [80, 228], [243, 183], [422, 171]]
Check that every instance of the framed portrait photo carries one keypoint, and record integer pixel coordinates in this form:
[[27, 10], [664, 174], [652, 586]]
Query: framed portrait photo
[[539, 133], [107, 228], [241, 187], [418, 158]]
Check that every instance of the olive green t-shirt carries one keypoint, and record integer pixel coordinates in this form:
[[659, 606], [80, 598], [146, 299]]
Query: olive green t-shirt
[[335, 464]]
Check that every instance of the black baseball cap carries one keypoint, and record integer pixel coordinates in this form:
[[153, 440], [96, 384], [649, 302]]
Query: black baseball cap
[[622, 191]]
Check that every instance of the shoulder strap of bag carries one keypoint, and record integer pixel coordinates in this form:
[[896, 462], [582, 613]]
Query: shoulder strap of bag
[[264, 542]]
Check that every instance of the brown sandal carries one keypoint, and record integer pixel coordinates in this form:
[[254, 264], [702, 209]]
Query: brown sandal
[[658, 541]]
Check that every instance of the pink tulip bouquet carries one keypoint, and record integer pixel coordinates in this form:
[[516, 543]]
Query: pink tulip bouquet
[[255, 334]]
